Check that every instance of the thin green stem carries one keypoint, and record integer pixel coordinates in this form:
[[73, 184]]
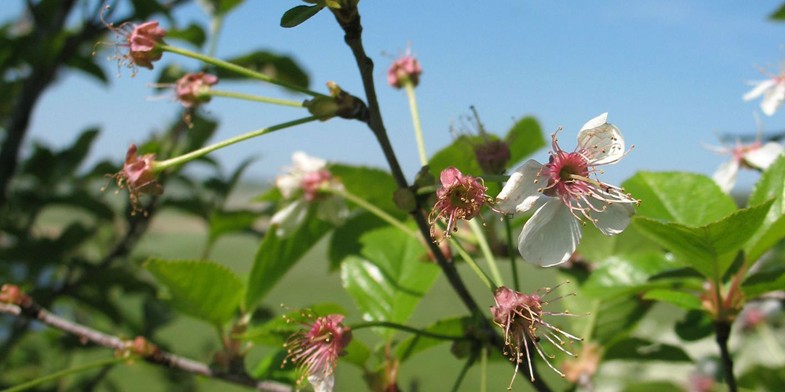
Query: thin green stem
[[473, 264], [595, 310], [464, 370], [176, 161], [215, 28], [254, 98], [63, 373], [405, 328], [378, 212], [416, 122], [235, 68], [513, 251], [484, 369], [486, 252]]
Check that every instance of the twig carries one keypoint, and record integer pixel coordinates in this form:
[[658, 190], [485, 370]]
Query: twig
[[348, 18], [722, 330], [27, 308]]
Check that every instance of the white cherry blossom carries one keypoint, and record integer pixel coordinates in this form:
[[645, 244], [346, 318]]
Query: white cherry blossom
[[552, 234], [308, 181]]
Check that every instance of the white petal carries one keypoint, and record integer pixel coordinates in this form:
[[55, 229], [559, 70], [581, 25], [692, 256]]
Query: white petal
[[759, 89], [773, 99], [288, 184], [725, 176], [288, 219], [550, 236], [614, 219], [595, 122], [306, 163], [601, 145], [321, 383], [763, 157], [521, 190]]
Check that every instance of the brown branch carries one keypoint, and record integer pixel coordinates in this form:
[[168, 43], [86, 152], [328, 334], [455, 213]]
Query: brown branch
[[23, 306], [722, 330], [348, 18]]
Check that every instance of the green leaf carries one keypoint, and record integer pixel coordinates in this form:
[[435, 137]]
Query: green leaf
[[193, 34], [763, 378], [524, 138], [299, 14], [694, 326], [769, 276], [597, 247], [226, 222], [648, 386], [779, 14], [282, 68], [459, 154], [617, 317], [681, 299], [373, 185], [390, 278], [414, 344], [686, 198], [637, 349], [270, 367], [357, 353], [709, 249], [277, 255], [87, 64], [71, 157], [145, 8], [222, 7], [200, 288], [345, 240], [625, 274], [770, 186]]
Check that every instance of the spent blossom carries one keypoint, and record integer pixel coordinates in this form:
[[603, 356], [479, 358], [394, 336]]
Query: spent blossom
[[461, 197], [520, 317], [140, 40], [772, 90], [138, 176], [755, 155], [315, 351], [191, 89], [307, 182], [404, 70], [574, 195]]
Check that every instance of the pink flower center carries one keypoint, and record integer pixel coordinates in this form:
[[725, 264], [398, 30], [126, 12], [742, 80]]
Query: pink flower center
[[312, 183], [565, 172]]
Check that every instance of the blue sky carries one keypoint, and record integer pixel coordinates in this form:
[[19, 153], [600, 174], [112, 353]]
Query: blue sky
[[670, 73]]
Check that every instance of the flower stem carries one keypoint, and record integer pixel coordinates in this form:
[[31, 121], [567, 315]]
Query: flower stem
[[416, 122], [63, 373], [215, 28], [377, 211], [486, 252], [512, 249], [235, 68], [722, 330], [176, 161], [405, 328], [254, 98], [464, 370], [473, 264]]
